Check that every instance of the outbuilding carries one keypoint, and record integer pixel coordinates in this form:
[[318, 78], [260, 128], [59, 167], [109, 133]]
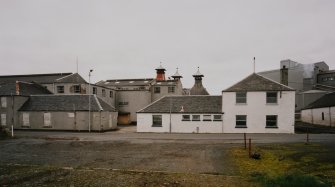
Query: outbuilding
[[67, 112], [320, 112]]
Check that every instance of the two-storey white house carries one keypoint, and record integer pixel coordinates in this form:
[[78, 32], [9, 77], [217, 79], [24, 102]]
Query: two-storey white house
[[258, 105], [254, 105]]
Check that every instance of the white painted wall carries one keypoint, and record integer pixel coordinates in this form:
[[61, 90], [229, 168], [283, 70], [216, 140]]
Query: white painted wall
[[144, 124], [256, 110], [314, 116]]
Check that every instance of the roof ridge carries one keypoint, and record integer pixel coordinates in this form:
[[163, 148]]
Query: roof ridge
[[64, 77]]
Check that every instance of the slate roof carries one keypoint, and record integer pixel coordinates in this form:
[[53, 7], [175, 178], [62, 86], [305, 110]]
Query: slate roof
[[65, 103], [39, 78], [327, 100], [125, 82], [72, 78], [166, 83], [25, 89], [190, 104], [256, 82]]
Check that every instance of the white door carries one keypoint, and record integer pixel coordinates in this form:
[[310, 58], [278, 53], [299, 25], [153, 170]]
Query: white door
[[47, 119], [25, 119]]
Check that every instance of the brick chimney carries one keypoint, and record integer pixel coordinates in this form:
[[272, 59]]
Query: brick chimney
[[17, 88], [160, 73], [284, 76]]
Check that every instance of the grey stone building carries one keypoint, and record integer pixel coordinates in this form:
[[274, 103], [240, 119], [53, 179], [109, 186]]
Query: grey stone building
[[12, 96], [134, 94], [66, 112], [311, 81]]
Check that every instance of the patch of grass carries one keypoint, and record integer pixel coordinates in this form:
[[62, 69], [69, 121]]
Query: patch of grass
[[287, 165], [290, 180]]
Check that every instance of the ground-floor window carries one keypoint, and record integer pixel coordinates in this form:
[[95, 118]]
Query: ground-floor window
[[271, 121], [207, 118], [217, 118], [186, 118], [157, 120], [241, 121], [195, 117], [3, 119]]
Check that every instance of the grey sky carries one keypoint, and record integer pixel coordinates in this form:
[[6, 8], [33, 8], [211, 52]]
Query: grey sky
[[128, 38]]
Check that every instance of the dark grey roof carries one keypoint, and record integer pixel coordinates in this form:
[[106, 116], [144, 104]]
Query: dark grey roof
[[25, 89], [39, 78], [256, 82], [189, 104], [125, 82], [198, 88], [327, 100], [65, 103]]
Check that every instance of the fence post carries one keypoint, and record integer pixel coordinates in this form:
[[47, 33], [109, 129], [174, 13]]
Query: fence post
[[12, 131], [245, 141], [249, 147]]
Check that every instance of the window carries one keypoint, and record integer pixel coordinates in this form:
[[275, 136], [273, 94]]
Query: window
[[3, 119], [186, 118], [47, 119], [111, 94], [95, 90], [77, 89], [3, 102], [103, 92], [207, 118], [25, 119], [271, 121], [241, 97], [217, 118], [271, 97], [157, 120], [171, 89], [195, 117], [60, 89], [123, 103], [323, 116], [157, 89], [70, 115], [241, 121]]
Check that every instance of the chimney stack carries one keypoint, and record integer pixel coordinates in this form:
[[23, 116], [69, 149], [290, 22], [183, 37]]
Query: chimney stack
[[284, 76]]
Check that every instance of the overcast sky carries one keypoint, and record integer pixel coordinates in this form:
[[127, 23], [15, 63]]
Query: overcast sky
[[129, 38]]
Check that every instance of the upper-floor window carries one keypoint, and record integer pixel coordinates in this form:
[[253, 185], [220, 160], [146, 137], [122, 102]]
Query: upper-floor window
[[111, 94], [157, 89], [271, 97], [241, 121], [103, 91], [271, 121], [3, 102], [77, 89], [171, 89], [123, 103], [60, 89], [241, 97], [156, 120], [95, 90]]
